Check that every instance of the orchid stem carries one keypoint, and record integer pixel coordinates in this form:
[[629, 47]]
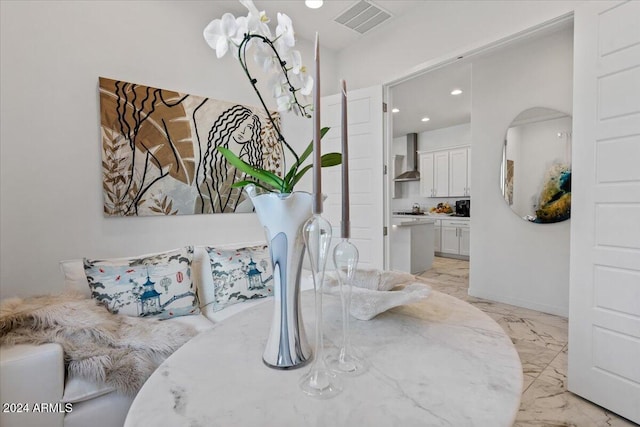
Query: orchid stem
[[242, 57]]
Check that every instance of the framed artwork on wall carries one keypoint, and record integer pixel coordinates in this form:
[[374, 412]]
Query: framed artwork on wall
[[159, 152]]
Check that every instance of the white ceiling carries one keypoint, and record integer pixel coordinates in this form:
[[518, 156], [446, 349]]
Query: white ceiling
[[428, 94], [307, 21]]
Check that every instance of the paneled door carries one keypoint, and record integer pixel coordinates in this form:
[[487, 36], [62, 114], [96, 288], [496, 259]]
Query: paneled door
[[365, 120], [604, 308]]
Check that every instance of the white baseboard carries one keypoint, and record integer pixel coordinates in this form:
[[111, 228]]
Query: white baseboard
[[549, 309]]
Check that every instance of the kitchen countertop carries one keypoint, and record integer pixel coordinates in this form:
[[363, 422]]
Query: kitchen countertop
[[413, 222], [430, 217]]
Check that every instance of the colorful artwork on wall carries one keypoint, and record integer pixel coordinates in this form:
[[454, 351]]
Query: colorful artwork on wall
[[159, 152], [554, 203]]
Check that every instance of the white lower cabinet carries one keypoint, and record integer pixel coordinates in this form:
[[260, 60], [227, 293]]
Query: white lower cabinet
[[455, 237], [465, 233], [437, 239]]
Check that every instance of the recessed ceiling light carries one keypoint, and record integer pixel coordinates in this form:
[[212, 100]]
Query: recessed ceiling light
[[313, 4], [395, 110], [425, 119], [456, 92]]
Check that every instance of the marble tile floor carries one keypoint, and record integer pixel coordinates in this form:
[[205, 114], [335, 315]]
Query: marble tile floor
[[541, 341]]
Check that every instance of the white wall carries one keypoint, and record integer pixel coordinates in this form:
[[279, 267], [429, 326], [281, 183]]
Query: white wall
[[439, 30], [512, 260], [52, 54]]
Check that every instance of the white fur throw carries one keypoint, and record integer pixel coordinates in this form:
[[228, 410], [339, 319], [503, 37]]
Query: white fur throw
[[121, 351]]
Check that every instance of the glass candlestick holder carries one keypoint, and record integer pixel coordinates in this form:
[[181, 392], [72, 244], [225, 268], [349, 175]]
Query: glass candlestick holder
[[320, 381], [346, 361]]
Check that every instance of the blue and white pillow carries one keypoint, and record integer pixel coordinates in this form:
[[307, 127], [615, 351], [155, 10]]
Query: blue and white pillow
[[239, 275], [156, 285]]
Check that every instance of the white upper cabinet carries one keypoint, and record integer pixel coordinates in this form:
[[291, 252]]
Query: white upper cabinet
[[441, 174], [445, 173], [458, 172]]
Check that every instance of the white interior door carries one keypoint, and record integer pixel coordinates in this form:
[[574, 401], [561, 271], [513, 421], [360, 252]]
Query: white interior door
[[604, 308], [365, 171]]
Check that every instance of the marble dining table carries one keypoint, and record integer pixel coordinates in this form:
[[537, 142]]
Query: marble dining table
[[436, 362]]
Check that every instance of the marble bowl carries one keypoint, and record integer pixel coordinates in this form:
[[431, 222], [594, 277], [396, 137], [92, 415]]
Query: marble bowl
[[376, 291]]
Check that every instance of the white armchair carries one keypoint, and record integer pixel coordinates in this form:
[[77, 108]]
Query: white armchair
[[31, 374], [34, 375]]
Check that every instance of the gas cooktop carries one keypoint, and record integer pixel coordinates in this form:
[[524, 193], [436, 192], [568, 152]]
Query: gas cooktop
[[410, 213]]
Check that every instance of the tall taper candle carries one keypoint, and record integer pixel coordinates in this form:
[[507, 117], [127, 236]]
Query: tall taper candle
[[345, 225], [317, 155]]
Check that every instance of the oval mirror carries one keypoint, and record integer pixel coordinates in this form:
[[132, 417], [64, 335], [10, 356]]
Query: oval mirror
[[535, 175]]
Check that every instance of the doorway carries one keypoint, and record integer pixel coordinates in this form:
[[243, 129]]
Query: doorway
[[507, 254]]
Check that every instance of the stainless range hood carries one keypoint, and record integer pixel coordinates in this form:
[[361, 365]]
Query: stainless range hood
[[412, 160]]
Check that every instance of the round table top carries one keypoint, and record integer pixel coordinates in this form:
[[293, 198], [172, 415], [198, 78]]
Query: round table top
[[438, 362]]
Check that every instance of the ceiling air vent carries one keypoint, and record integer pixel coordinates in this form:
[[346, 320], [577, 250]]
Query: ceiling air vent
[[362, 16]]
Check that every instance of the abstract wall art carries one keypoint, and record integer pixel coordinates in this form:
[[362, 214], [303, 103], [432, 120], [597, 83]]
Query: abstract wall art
[[159, 152]]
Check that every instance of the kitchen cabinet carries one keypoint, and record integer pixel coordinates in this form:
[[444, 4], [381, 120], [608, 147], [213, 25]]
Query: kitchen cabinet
[[465, 234], [459, 162], [437, 236], [455, 237], [445, 173]]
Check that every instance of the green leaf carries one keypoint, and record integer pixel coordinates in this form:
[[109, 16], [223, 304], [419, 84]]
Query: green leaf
[[267, 177], [240, 184], [330, 159], [299, 175], [306, 153], [309, 148]]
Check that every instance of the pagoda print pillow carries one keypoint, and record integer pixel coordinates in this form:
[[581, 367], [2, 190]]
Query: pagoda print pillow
[[239, 275], [156, 285]]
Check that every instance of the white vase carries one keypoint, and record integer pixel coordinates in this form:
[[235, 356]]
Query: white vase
[[282, 216]]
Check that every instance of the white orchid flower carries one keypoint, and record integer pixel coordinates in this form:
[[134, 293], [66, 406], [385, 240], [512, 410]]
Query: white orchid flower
[[258, 20], [278, 84], [265, 58], [285, 102], [302, 81], [306, 83], [242, 28], [284, 33], [220, 32], [294, 61]]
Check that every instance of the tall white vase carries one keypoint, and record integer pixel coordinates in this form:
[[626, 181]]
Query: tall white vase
[[282, 216]]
